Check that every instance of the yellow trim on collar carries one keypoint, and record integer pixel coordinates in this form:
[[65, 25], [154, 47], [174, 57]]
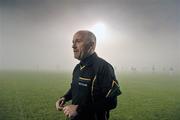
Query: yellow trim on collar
[[81, 67]]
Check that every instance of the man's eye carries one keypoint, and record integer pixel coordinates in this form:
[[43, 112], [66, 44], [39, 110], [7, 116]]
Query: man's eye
[[78, 41]]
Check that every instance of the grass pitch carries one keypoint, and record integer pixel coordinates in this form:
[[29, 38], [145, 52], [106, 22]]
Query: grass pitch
[[32, 96]]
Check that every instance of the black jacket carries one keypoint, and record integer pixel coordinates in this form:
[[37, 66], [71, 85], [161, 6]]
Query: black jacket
[[94, 89]]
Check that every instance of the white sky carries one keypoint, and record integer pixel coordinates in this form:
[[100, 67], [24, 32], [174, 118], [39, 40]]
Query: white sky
[[38, 33]]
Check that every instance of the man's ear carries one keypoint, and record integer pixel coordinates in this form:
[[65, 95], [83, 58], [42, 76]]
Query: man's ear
[[93, 45], [90, 45]]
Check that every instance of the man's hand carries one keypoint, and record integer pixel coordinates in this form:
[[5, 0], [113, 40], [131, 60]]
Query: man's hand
[[70, 111], [60, 104]]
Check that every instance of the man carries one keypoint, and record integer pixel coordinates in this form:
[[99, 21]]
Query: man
[[94, 88]]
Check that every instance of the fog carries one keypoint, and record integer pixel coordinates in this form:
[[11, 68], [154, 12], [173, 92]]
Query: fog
[[37, 34]]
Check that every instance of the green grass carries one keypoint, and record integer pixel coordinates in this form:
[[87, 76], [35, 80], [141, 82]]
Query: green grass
[[32, 96]]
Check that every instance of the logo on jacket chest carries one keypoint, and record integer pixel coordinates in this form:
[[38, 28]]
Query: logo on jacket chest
[[83, 84]]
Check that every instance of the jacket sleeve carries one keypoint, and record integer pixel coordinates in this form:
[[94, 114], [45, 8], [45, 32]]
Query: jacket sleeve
[[68, 95], [102, 100]]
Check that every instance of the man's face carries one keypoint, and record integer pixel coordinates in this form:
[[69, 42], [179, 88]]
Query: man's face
[[80, 46]]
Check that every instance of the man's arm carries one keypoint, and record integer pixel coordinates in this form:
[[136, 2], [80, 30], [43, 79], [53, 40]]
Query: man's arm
[[68, 95], [61, 101]]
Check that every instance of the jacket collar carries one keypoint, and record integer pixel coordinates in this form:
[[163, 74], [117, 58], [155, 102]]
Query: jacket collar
[[88, 60]]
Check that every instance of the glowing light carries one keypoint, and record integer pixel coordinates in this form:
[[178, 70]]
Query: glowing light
[[99, 29]]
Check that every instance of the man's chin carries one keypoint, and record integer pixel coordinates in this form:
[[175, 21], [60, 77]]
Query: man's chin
[[76, 57]]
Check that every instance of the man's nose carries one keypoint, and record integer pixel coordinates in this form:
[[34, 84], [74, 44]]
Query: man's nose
[[73, 45]]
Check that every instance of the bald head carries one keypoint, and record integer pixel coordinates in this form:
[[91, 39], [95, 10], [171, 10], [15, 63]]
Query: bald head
[[84, 43], [88, 36]]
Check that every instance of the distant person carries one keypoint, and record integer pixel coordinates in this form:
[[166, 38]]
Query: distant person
[[94, 88], [171, 70]]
